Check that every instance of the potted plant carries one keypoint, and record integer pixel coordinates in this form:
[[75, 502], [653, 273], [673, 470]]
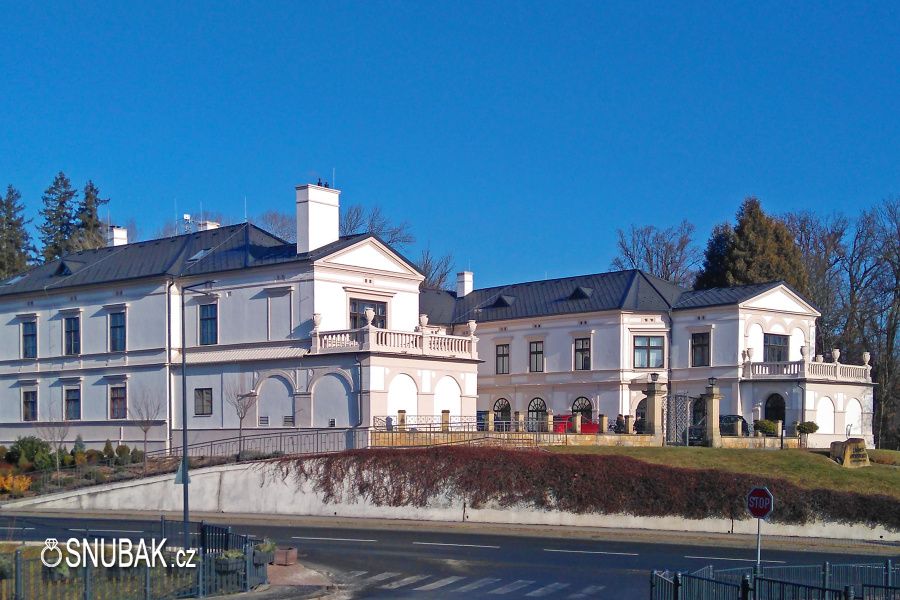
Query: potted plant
[[805, 428], [264, 552], [230, 561], [285, 556]]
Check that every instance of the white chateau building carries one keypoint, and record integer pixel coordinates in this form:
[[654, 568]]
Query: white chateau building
[[325, 332], [588, 344], [334, 331]]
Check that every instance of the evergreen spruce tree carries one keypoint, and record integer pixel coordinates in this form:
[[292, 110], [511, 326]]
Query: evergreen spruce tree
[[90, 231], [760, 249], [16, 248], [59, 226]]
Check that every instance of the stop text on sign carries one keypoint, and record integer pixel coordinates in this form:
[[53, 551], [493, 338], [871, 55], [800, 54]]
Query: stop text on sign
[[760, 502]]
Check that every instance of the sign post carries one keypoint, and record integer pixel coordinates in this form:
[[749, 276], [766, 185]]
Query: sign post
[[760, 504]]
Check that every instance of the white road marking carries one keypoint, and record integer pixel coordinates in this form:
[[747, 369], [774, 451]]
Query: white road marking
[[18, 528], [439, 583], [511, 587], [588, 592], [548, 589], [591, 552], [107, 530], [356, 573], [326, 539], [380, 577], [404, 582], [781, 562], [477, 584], [455, 545]]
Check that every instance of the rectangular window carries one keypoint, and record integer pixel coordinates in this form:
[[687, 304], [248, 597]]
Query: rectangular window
[[648, 352], [117, 332], [72, 328], [536, 357], [29, 405], [73, 404], [583, 354], [209, 324], [700, 349], [502, 359], [118, 403], [358, 313], [29, 339], [203, 402], [775, 347]]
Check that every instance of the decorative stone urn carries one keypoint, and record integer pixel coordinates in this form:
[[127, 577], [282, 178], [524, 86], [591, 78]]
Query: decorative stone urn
[[423, 321], [836, 354], [866, 358], [471, 326], [804, 352], [750, 353], [818, 358], [370, 315], [317, 320]]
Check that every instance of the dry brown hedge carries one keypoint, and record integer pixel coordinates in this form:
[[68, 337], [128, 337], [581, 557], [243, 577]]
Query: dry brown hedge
[[568, 482]]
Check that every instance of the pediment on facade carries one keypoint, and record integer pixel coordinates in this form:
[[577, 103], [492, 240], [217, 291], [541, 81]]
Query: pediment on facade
[[782, 299], [369, 254]]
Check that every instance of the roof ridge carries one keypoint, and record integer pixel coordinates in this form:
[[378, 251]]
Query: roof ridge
[[554, 279]]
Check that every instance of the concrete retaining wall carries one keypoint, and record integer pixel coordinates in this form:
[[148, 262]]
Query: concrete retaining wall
[[256, 488]]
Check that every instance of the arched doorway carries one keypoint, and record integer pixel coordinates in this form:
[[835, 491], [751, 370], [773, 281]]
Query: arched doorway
[[583, 407], [403, 394], [641, 411], [853, 417], [537, 415], [447, 396], [774, 409], [825, 415], [332, 403], [502, 415]]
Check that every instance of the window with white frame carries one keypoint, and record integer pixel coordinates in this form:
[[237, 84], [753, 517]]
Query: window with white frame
[[583, 354], [775, 347], [72, 335], [117, 331], [700, 349], [648, 351], [118, 402], [502, 359], [29, 338], [358, 313], [536, 357], [72, 400], [209, 324], [29, 405]]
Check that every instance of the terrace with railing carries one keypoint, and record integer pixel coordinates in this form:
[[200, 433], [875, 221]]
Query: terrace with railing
[[815, 369]]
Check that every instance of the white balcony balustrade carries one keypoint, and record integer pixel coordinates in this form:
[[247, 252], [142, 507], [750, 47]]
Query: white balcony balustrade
[[813, 370], [373, 339]]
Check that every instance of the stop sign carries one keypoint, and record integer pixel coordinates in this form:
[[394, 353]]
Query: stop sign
[[760, 502]]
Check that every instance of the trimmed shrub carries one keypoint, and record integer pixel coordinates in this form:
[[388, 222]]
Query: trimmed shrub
[[29, 446], [807, 427], [108, 452], [764, 425], [123, 455], [80, 459], [79, 445], [137, 455], [43, 460], [581, 484], [93, 456]]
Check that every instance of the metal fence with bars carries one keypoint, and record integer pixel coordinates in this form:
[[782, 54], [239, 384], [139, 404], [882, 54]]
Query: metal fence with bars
[[871, 581], [26, 577]]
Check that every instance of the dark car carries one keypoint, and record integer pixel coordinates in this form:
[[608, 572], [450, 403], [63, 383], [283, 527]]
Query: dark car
[[727, 425]]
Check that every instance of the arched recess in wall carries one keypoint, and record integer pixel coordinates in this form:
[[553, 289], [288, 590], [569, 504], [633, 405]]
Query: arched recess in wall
[[825, 415], [403, 394], [447, 396], [798, 340], [333, 402], [755, 341], [853, 416], [275, 403]]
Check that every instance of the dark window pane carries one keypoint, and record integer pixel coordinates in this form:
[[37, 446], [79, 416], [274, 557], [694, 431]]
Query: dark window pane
[[583, 354], [117, 332], [358, 313], [118, 405], [29, 339], [72, 326], [502, 359], [29, 405], [648, 352], [775, 348], [73, 404], [209, 324], [700, 350], [536, 357], [203, 401]]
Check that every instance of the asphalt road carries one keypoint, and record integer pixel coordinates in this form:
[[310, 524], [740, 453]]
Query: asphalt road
[[383, 563]]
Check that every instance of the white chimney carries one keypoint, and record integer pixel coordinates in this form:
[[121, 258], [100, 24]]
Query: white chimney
[[465, 283], [318, 217], [206, 225], [116, 236]]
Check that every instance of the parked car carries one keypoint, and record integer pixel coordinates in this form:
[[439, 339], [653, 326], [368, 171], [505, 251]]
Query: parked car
[[566, 424], [727, 423]]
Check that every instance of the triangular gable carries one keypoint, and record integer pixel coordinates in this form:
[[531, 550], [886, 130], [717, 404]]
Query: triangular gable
[[369, 254], [780, 298]]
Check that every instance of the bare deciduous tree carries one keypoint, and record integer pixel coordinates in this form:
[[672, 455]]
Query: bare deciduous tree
[[436, 269], [667, 253], [145, 410], [279, 223], [239, 396], [54, 431], [355, 219]]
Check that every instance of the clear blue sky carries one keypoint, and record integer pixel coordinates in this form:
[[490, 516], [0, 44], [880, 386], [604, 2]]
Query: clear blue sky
[[517, 135]]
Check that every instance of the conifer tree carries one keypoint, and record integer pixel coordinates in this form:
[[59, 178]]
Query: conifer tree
[[15, 242], [58, 229], [90, 232], [760, 249]]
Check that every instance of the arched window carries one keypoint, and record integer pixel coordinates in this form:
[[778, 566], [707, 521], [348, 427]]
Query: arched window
[[584, 407], [774, 408], [641, 411], [537, 415], [502, 415]]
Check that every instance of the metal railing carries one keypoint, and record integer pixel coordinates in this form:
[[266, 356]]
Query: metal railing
[[880, 592]]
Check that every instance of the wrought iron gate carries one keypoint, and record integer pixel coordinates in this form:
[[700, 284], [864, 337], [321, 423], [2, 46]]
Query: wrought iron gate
[[677, 419]]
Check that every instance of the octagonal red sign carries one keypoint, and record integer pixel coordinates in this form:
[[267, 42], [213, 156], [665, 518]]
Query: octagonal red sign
[[760, 502]]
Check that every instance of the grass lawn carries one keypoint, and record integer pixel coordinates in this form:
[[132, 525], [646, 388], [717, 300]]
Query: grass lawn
[[801, 467]]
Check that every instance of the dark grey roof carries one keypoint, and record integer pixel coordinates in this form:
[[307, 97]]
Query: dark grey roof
[[618, 290], [723, 296], [227, 248]]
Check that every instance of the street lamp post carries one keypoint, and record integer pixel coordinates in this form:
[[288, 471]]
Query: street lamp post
[[184, 418]]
